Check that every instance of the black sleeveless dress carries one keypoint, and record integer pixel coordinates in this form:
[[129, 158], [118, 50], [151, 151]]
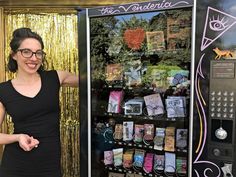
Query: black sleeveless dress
[[37, 117]]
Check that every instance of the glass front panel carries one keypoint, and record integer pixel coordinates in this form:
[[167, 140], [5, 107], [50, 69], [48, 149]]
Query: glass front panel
[[140, 91]]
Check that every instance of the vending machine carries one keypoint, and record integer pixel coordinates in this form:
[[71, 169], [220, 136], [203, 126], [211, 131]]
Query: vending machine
[[157, 94], [135, 69]]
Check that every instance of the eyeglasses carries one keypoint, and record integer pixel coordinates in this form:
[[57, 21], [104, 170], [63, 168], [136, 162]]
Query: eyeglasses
[[27, 53]]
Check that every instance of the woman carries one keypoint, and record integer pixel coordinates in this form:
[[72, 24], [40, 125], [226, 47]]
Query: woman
[[32, 100]]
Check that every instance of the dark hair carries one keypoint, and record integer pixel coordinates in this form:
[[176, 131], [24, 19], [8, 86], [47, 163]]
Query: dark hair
[[18, 36]]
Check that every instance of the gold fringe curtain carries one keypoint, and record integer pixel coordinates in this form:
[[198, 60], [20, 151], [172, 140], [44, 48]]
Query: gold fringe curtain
[[60, 35]]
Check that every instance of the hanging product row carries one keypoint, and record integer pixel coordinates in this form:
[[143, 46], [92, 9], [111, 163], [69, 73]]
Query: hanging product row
[[149, 105], [147, 136], [136, 73], [143, 162]]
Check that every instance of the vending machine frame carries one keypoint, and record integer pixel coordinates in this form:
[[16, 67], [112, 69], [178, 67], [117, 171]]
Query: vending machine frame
[[214, 88], [84, 16]]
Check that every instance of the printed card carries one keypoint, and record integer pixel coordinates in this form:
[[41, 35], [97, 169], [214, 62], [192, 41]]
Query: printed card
[[108, 157], [118, 156], [170, 165], [133, 73], [170, 139], [114, 103], [128, 130], [176, 77], [155, 41], [114, 72], [156, 77], [159, 138], [175, 107], [181, 138], [138, 133], [181, 165], [159, 162], [154, 104]]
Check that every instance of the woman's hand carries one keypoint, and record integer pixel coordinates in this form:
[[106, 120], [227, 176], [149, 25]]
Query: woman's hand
[[27, 143]]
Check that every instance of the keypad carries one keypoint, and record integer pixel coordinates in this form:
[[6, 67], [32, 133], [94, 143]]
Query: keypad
[[222, 104]]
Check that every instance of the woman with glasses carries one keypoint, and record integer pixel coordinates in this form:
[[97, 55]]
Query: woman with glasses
[[32, 100]]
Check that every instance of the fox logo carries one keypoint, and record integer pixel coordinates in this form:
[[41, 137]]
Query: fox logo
[[222, 53]]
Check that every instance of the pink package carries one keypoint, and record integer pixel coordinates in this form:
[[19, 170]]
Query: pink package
[[115, 99]]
